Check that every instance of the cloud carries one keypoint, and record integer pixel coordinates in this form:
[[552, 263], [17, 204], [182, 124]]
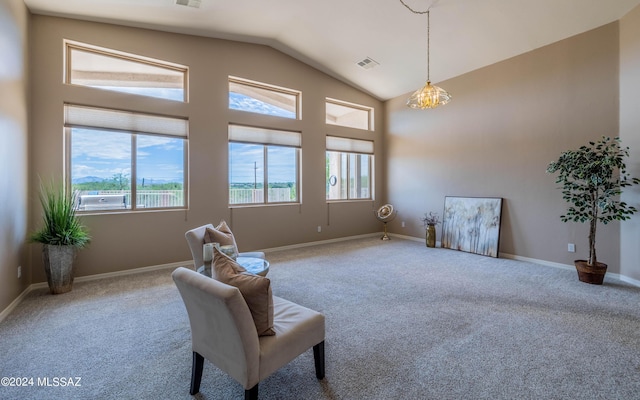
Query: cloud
[[100, 144]]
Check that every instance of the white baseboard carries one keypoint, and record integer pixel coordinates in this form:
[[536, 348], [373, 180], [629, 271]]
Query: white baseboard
[[613, 275], [415, 239], [536, 261], [15, 303], [568, 267], [628, 280], [189, 264], [412, 238], [307, 244], [132, 271], [43, 285]]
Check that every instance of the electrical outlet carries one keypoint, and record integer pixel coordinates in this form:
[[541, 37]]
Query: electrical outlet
[[319, 229], [571, 248], [403, 224], [19, 271]]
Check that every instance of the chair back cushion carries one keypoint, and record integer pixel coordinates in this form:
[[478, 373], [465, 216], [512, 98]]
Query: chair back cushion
[[222, 329], [255, 289]]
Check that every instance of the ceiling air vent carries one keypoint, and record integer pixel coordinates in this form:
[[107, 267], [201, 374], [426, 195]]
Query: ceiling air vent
[[368, 63], [189, 3]]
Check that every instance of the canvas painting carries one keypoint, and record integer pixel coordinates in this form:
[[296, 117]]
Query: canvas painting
[[472, 224]]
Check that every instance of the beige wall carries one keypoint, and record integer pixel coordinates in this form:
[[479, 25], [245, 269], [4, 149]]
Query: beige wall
[[14, 21], [133, 240], [506, 123], [495, 139], [630, 133]]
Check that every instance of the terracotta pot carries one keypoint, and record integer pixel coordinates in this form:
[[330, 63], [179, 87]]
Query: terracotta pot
[[58, 264], [593, 274]]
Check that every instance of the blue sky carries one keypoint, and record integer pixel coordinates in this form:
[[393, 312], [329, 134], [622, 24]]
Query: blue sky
[[241, 102], [247, 160], [242, 157], [104, 154]]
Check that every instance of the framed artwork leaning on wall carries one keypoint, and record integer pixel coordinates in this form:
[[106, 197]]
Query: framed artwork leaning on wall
[[472, 224]]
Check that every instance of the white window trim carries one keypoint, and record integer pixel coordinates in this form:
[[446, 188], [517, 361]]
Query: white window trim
[[369, 110], [70, 45], [269, 87], [353, 146], [268, 137], [78, 116]]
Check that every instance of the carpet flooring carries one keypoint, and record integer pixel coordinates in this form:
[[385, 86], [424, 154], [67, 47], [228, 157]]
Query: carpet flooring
[[402, 322]]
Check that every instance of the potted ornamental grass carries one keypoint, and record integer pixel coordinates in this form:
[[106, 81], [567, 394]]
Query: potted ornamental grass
[[61, 235], [592, 179]]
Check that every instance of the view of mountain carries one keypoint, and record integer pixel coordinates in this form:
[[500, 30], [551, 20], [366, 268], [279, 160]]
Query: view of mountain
[[89, 179], [99, 158]]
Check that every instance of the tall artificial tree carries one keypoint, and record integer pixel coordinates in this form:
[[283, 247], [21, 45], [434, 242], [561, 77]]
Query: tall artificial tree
[[592, 179]]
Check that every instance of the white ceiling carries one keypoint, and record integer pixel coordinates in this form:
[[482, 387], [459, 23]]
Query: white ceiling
[[333, 35]]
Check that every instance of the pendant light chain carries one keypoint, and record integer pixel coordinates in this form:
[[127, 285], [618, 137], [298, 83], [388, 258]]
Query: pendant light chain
[[428, 96], [428, 31], [428, 45], [414, 11]]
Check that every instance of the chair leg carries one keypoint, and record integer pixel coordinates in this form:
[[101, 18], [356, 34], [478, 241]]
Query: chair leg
[[318, 357], [196, 373], [251, 394]]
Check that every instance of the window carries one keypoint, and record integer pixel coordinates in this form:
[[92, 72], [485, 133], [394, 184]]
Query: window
[[349, 166], [348, 114], [262, 158], [256, 97], [120, 160], [111, 70]]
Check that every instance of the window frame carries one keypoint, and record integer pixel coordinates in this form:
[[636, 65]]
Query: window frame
[[266, 144], [268, 87], [349, 147], [70, 45], [353, 106], [133, 133]]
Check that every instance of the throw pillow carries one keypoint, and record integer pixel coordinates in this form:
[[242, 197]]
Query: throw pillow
[[220, 234], [255, 289]]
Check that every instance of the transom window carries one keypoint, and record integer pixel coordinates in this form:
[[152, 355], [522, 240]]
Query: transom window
[[264, 165], [349, 166], [112, 70], [261, 98], [348, 114], [120, 160]]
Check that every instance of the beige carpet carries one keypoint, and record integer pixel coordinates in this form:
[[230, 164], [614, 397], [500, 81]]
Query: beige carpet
[[403, 322]]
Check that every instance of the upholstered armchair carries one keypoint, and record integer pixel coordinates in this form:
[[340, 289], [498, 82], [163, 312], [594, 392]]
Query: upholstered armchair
[[223, 332], [195, 239]]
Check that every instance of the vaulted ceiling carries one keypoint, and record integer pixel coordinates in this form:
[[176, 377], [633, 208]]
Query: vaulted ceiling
[[334, 35]]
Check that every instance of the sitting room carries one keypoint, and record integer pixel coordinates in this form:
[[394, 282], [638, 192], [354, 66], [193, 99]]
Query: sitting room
[[291, 127]]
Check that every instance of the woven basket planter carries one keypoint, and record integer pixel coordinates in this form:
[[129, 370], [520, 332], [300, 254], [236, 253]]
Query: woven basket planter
[[593, 274]]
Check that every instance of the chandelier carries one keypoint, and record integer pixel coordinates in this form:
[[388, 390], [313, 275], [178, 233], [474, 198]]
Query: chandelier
[[429, 96]]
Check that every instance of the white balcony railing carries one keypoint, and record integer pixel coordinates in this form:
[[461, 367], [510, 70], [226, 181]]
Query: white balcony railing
[[108, 199], [253, 196]]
